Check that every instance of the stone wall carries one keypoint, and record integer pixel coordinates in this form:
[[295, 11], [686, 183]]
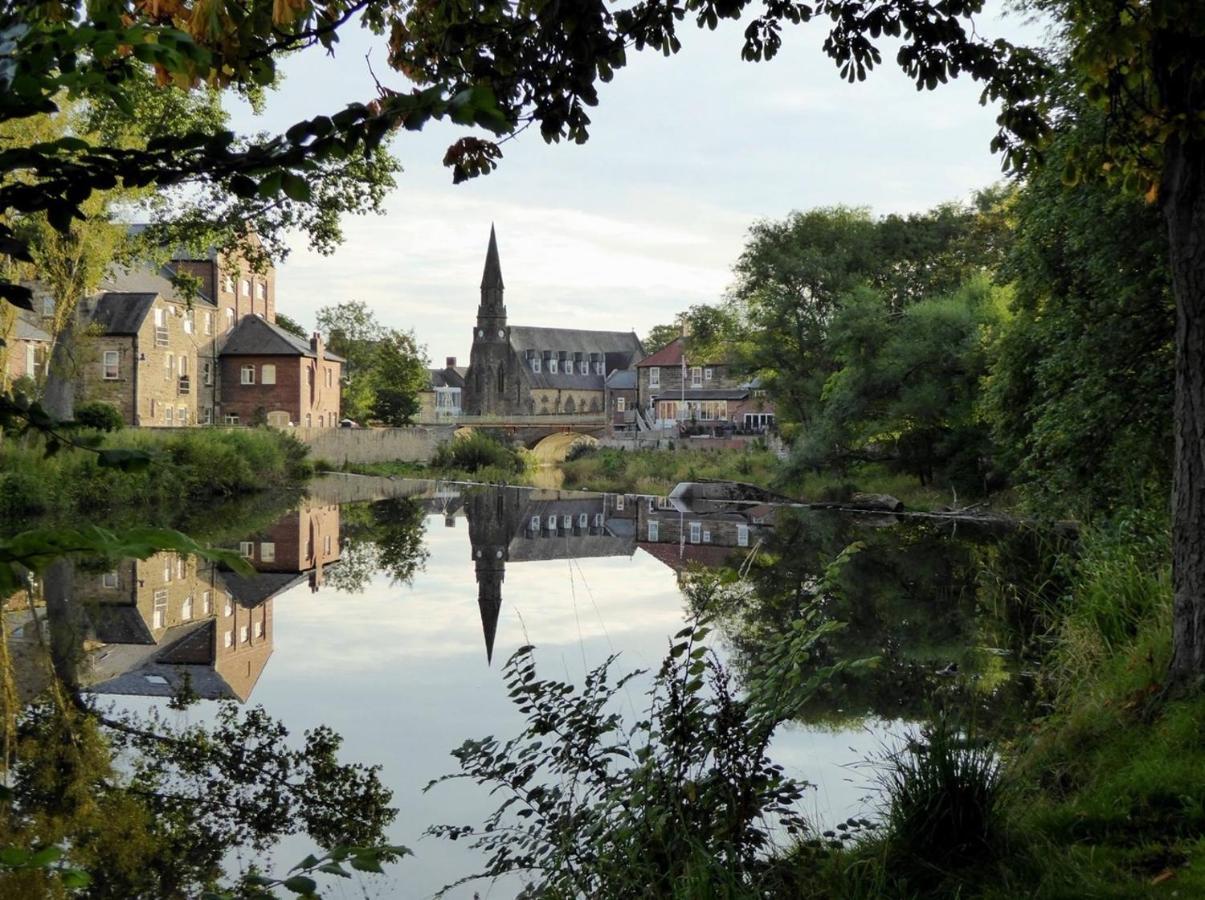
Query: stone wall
[[416, 443]]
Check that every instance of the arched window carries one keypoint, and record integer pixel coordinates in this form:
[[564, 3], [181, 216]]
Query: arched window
[[501, 379]]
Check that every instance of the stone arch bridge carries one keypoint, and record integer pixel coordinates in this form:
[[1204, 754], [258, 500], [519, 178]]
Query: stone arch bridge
[[549, 437]]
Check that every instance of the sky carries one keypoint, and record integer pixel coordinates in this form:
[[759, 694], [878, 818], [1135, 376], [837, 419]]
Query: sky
[[649, 216]]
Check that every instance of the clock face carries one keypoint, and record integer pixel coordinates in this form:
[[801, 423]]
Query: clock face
[[480, 332], [501, 333]]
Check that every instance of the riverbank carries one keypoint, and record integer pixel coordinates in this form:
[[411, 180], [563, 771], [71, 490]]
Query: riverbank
[[186, 468]]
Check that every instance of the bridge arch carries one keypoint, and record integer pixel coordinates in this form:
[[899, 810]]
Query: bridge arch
[[553, 448]]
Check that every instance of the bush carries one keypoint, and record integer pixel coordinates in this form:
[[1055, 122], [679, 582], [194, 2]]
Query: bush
[[98, 415], [476, 451]]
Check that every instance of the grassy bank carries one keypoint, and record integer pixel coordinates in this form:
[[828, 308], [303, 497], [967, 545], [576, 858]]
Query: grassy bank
[[187, 467], [478, 456]]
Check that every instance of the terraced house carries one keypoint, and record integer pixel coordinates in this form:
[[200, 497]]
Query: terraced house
[[166, 358]]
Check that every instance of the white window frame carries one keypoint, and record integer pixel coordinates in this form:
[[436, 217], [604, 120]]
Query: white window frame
[[228, 638], [189, 319], [244, 634], [696, 376], [328, 544], [259, 628], [228, 608], [206, 415], [245, 287], [110, 581], [207, 372], [261, 290], [619, 501], [267, 551], [696, 532], [583, 367], [566, 522], [231, 418], [654, 530], [246, 549], [111, 363], [169, 415], [229, 318], [599, 367], [159, 609], [552, 364], [620, 404], [209, 323], [654, 377], [169, 366], [247, 375], [535, 364], [583, 520], [552, 523], [534, 524], [707, 374], [186, 609], [267, 373], [598, 520], [206, 603]]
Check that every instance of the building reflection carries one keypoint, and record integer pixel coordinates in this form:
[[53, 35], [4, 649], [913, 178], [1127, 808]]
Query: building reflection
[[517, 525], [157, 624]]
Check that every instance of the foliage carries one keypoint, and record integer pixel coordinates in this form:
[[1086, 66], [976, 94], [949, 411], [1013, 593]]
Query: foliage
[[291, 325], [298, 882], [176, 467], [477, 451], [659, 471], [945, 805], [1079, 396], [399, 373], [385, 536], [685, 796], [100, 416], [905, 387]]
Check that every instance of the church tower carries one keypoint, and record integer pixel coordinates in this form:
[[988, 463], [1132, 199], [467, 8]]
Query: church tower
[[491, 358]]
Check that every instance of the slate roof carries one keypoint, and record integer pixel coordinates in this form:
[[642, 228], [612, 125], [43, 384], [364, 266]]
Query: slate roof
[[448, 377], [252, 590], [146, 279], [254, 336], [575, 340], [27, 331], [622, 380], [122, 313], [118, 624]]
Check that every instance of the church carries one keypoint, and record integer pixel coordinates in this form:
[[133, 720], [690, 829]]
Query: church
[[521, 370]]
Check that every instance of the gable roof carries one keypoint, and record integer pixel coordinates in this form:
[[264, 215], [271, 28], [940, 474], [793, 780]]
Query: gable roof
[[24, 330], [669, 355], [147, 278], [452, 376], [122, 313], [574, 340], [253, 336]]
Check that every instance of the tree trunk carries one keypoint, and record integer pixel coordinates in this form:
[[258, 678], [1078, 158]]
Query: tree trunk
[[1183, 203]]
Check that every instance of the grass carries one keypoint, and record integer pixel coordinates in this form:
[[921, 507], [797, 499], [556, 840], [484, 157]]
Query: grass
[[658, 471], [187, 467]]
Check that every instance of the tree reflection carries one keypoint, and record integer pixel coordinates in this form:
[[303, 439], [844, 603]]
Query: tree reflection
[[385, 536]]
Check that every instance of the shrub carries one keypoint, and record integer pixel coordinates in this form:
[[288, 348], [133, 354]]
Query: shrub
[[478, 450], [98, 415], [579, 450]]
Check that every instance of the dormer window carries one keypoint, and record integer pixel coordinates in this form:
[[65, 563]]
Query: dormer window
[[552, 523], [598, 367], [552, 361], [583, 367], [535, 363]]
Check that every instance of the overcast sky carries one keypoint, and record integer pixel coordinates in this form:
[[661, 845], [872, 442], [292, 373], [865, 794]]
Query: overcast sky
[[649, 216]]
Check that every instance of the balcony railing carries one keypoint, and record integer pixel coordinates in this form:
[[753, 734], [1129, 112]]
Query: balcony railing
[[184, 386]]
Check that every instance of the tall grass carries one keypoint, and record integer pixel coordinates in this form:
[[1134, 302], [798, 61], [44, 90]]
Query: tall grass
[[186, 467], [482, 454]]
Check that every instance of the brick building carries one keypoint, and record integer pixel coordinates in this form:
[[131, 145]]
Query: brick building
[[271, 376], [675, 390], [25, 352]]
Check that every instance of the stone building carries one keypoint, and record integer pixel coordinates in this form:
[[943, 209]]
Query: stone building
[[523, 370], [25, 351], [443, 398], [675, 390], [271, 376]]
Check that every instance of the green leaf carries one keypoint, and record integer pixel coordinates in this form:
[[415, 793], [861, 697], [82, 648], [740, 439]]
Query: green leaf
[[301, 884], [295, 187], [75, 878]]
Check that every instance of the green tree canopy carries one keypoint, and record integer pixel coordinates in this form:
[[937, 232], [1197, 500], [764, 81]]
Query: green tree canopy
[[399, 373]]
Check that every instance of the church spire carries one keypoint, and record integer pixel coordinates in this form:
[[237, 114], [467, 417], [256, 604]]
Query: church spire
[[491, 278]]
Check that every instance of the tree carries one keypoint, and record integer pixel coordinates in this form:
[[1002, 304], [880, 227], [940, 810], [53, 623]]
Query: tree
[[398, 372], [291, 325], [353, 331]]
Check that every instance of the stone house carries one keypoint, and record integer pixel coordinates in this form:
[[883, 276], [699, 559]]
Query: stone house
[[621, 400], [680, 537], [26, 351], [270, 375], [523, 371], [674, 390], [443, 398]]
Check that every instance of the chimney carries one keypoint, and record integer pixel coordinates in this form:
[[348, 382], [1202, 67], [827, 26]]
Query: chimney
[[450, 362], [316, 344]]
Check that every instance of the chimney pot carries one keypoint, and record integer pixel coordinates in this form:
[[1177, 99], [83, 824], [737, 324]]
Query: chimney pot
[[451, 362]]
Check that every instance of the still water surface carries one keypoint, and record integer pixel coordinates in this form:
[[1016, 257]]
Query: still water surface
[[389, 618]]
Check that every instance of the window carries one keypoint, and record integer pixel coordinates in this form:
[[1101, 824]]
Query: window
[[583, 368], [268, 374], [552, 363], [706, 536], [228, 283], [206, 603], [259, 628], [598, 520], [183, 366], [186, 608], [696, 376], [206, 415], [246, 549], [321, 420], [598, 367], [619, 500], [207, 372], [169, 366], [189, 317], [153, 408], [160, 612], [327, 544], [229, 318], [180, 566], [48, 306], [247, 375], [582, 520], [330, 376], [742, 535], [309, 422], [654, 377], [183, 415], [209, 323], [535, 364], [169, 415], [620, 404], [109, 580], [245, 287], [566, 521], [228, 639], [110, 369], [228, 609], [231, 419], [167, 570], [244, 634], [654, 531], [267, 551], [261, 290], [707, 374], [535, 523], [552, 523], [696, 532]]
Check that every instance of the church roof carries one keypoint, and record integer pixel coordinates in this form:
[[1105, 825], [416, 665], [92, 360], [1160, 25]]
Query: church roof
[[491, 277], [574, 340]]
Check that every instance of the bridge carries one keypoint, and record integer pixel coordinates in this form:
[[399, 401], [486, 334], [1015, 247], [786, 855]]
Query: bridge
[[549, 437]]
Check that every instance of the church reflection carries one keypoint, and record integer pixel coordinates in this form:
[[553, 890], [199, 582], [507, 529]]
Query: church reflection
[[518, 525], [154, 625]]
